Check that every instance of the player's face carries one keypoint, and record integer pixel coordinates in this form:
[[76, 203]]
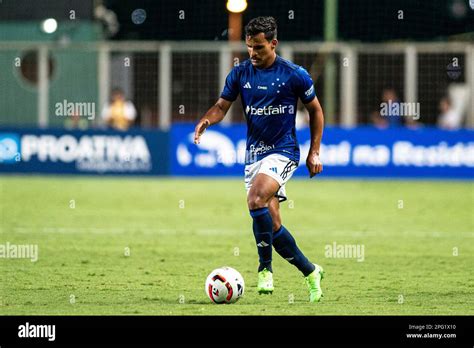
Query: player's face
[[117, 97], [261, 51]]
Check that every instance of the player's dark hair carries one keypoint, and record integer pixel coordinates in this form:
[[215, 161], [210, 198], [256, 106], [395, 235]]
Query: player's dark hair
[[446, 97], [265, 25], [117, 90]]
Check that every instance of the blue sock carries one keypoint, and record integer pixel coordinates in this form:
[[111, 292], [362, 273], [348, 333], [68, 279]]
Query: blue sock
[[263, 232], [285, 245]]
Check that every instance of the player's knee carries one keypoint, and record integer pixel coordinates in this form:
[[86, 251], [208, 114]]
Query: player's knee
[[256, 201]]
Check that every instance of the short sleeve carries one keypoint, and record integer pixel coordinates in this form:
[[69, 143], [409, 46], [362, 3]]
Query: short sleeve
[[106, 112], [231, 88], [130, 111], [303, 85]]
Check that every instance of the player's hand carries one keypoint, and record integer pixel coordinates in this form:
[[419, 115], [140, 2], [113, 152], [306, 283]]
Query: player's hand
[[199, 130], [314, 164]]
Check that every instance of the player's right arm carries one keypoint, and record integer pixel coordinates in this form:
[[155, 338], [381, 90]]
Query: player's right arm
[[214, 115], [217, 112]]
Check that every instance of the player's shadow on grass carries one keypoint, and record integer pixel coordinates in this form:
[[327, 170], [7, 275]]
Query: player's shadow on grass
[[177, 301], [199, 302]]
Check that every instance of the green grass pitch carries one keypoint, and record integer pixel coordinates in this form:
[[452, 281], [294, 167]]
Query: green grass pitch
[[418, 239]]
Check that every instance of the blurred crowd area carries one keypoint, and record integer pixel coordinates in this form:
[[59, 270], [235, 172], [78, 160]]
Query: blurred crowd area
[[443, 94]]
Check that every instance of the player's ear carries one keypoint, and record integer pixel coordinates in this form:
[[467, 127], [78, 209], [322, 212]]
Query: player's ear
[[274, 43]]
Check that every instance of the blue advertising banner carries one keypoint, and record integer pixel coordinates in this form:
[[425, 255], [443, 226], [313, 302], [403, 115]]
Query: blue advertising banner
[[60, 151], [356, 152]]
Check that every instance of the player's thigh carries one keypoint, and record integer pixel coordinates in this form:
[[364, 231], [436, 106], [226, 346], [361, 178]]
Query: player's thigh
[[274, 208], [263, 189]]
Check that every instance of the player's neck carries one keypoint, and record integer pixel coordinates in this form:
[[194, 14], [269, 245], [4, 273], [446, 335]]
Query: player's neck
[[270, 62]]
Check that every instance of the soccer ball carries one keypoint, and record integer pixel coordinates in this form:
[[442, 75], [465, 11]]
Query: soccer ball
[[224, 285]]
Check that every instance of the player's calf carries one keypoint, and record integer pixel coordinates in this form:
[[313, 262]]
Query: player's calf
[[285, 246], [262, 230]]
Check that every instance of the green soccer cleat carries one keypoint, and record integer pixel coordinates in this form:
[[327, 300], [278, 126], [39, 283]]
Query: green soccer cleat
[[265, 282], [314, 284]]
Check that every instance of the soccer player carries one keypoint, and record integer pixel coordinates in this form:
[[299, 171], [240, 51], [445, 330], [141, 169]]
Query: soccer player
[[269, 87]]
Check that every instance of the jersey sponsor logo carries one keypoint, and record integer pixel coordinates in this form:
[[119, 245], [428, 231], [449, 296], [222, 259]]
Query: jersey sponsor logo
[[260, 149], [269, 110], [309, 91], [261, 87], [247, 85]]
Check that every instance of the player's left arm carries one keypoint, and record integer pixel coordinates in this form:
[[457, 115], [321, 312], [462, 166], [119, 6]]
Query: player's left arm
[[316, 124]]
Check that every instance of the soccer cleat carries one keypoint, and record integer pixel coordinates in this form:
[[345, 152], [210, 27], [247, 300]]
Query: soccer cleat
[[313, 281], [265, 282]]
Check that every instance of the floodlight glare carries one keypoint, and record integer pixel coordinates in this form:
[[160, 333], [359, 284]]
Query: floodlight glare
[[49, 25], [236, 6]]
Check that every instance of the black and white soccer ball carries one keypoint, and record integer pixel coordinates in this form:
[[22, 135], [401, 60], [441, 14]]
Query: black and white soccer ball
[[224, 285]]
